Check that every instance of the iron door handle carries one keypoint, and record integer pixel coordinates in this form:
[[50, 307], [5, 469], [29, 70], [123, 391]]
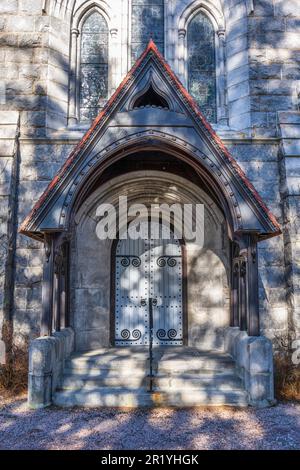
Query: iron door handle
[[154, 301], [143, 302]]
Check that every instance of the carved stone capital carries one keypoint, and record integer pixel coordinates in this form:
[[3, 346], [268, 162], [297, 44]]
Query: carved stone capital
[[181, 33], [75, 32], [221, 34], [114, 33]]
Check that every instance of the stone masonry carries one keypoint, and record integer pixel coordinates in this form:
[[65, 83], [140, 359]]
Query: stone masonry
[[261, 128]]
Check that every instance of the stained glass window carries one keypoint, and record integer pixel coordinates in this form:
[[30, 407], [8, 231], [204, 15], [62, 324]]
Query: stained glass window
[[202, 64], [93, 66], [147, 21]]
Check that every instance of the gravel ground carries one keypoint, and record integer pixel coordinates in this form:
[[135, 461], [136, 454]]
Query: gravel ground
[[198, 428]]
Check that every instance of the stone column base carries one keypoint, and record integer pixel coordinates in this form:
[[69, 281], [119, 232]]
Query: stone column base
[[254, 362], [47, 356]]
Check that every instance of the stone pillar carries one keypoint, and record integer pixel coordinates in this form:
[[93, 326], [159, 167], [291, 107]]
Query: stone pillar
[[221, 83], [243, 294], [252, 287], [57, 291], [60, 283], [182, 65], [254, 364], [63, 296], [73, 105], [65, 287], [41, 362], [113, 61], [234, 294], [248, 287], [47, 288]]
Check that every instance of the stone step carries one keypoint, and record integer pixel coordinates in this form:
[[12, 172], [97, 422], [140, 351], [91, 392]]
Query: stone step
[[111, 362], [102, 397], [190, 354], [137, 379], [99, 397], [106, 369], [123, 368], [107, 360], [112, 353], [102, 373], [118, 377], [79, 381], [195, 366], [221, 382]]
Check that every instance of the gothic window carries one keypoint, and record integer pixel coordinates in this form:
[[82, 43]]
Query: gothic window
[[93, 66], [147, 21], [202, 64]]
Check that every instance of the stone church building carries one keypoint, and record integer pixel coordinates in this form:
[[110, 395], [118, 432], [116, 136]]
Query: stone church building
[[161, 101]]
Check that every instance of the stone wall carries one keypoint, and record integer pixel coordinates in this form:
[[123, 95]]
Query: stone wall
[[34, 65], [274, 60], [237, 65], [24, 61], [260, 162], [262, 73], [262, 58], [40, 161], [289, 126], [9, 167]]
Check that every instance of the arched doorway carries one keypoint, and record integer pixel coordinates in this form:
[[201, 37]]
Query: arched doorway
[[201, 273], [149, 273]]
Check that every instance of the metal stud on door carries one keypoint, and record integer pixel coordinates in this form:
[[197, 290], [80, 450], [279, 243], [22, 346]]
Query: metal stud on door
[[148, 269], [166, 288], [131, 292]]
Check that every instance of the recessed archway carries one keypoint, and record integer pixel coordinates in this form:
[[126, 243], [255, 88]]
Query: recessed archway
[[206, 272]]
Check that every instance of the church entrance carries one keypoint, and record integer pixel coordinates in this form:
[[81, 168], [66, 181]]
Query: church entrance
[[105, 290], [148, 275]]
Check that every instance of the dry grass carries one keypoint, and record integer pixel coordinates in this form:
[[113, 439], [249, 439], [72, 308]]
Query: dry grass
[[14, 374], [287, 378]]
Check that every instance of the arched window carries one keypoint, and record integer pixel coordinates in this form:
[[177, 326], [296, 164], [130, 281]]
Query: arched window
[[147, 21], [93, 87], [202, 64]]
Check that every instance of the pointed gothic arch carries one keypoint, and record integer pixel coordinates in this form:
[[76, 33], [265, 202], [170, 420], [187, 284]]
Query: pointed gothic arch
[[147, 21], [213, 16], [93, 67], [90, 61]]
